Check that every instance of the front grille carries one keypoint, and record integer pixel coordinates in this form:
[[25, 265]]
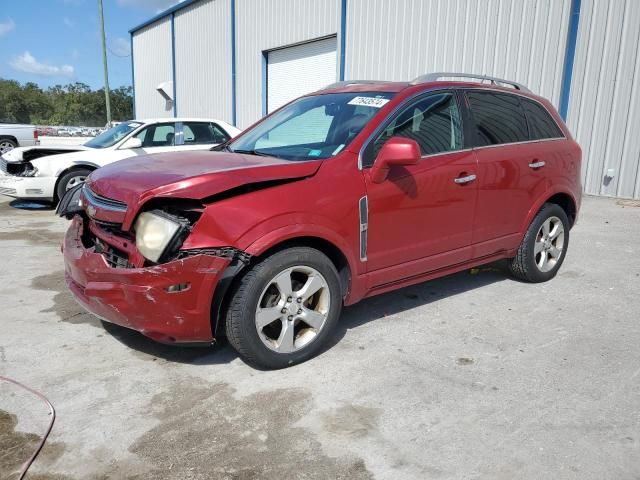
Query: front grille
[[103, 202], [8, 191]]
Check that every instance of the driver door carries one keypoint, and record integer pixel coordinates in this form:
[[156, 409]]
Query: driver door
[[421, 217]]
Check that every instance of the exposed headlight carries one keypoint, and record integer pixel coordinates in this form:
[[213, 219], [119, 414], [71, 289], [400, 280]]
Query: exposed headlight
[[29, 171], [155, 232]]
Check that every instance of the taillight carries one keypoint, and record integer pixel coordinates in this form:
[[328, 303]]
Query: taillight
[[35, 134]]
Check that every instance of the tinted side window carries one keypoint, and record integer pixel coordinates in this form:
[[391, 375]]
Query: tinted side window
[[201, 133], [433, 122], [161, 135], [541, 125], [499, 118]]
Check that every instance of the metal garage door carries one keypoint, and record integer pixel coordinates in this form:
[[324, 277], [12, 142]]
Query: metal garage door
[[294, 71]]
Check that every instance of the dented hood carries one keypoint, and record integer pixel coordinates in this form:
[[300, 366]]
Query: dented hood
[[191, 175]]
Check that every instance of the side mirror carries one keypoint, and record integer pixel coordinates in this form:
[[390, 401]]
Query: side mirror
[[132, 142], [396, 151]]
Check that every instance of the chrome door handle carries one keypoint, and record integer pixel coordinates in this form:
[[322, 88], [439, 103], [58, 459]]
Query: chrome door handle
[[538, 164], [465, 179]]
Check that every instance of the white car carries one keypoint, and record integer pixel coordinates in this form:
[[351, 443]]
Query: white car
[[17, 135], [46, 173]]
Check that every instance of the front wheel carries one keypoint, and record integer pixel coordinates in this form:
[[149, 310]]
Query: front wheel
[[71, 179], [544, 246], [284, 308]]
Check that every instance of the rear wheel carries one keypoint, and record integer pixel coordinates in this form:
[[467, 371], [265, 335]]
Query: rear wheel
[[283, 310], [7, 144], [544, 246], [71, 179]]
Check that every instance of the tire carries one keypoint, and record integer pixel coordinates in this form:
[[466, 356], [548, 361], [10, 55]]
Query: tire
[[7, 144], [257, 297], [542, 251], [70, 179]]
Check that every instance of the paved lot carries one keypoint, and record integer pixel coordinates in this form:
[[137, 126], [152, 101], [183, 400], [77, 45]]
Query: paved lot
[[471, 376]]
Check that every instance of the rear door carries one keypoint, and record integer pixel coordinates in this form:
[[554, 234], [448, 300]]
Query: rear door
[[420, 218], [507, 185]]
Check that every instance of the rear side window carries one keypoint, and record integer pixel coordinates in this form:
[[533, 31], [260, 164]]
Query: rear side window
[[541, 124], [499, 118], [203, 133]]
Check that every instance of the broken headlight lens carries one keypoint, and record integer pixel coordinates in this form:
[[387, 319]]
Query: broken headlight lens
[[154, 233]]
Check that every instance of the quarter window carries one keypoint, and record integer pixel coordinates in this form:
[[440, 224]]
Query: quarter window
[[541, 125], [433, 122], [499, 118]]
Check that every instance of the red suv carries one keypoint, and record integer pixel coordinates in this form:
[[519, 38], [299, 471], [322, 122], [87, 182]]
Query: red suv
[[352, 191]]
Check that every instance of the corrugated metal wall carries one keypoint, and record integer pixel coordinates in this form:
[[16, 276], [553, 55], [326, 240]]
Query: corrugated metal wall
[[203, 60], [268, 24], [604, 106], [521, 40], [152, 66]]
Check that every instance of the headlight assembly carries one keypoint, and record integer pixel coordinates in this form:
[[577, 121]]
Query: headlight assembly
[[159, 233]]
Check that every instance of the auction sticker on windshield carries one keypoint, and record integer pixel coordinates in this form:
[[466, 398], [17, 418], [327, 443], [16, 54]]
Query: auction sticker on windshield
[[369, 101]]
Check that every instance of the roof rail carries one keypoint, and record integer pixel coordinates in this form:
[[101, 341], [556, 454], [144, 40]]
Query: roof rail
[[352, 82], [434, 77]]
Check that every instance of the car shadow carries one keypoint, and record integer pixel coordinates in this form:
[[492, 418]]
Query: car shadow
[[31, 205], [354, 316]]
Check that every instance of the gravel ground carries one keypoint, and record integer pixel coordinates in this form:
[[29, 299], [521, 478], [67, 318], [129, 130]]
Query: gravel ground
[[471, 376]]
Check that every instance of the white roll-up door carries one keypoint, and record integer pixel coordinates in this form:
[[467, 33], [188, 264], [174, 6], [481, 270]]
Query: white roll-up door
[[300, 69]]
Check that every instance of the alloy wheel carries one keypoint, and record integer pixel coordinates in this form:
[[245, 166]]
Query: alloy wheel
[[293, 309], [549, 244]]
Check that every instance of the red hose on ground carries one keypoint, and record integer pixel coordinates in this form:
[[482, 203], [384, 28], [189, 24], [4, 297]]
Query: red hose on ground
[[52, 413]]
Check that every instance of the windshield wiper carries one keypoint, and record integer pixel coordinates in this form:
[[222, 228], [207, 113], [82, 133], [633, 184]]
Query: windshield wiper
[[257, 153]]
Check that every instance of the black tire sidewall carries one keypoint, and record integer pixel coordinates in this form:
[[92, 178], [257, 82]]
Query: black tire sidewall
[[534, 273], [262, 274]]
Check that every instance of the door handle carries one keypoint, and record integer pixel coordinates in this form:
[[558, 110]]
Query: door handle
[[465, 179], [537, 164]]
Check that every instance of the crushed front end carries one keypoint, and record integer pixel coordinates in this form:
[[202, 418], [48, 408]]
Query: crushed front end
[[166, 293]]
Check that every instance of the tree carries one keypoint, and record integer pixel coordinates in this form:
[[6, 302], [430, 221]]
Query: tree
[[72, 104]]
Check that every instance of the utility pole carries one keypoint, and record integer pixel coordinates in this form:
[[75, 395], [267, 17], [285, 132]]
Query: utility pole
[[104, 62]]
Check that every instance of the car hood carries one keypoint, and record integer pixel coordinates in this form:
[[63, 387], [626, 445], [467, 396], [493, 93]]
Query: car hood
[[18, 154], [190, 175]]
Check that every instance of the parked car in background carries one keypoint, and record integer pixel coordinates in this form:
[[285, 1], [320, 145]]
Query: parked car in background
[[87, 132], [346, 193], [45, 173], [14, 135], [46, 131], [64, 132]]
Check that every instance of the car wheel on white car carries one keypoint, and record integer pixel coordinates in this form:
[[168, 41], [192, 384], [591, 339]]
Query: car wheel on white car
[[7, 144], [71, 179]]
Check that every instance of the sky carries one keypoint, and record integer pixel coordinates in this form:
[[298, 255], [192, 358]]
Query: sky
[[52, 42]]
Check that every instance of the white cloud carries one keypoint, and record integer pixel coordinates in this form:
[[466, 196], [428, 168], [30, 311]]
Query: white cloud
[[68, 22], [6, 27], [157, 5], [28, 64], [120, 47]]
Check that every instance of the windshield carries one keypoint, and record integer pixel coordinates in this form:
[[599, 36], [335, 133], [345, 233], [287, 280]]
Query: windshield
[[113, 135], [312, 128]]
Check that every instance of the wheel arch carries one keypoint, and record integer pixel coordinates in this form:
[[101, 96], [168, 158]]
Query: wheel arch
[[10, 137], [563, 198]]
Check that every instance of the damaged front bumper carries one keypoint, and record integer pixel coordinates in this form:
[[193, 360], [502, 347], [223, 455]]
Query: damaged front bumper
[[170, 302], [27, 188]]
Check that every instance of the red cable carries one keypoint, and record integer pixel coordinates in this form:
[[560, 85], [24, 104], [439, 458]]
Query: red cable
[[52, 412]]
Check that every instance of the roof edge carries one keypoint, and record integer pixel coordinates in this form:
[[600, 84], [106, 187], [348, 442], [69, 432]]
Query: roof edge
[[163, 14]]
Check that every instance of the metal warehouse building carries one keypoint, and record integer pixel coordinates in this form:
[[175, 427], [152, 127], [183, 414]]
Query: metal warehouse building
[[240, 59]]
